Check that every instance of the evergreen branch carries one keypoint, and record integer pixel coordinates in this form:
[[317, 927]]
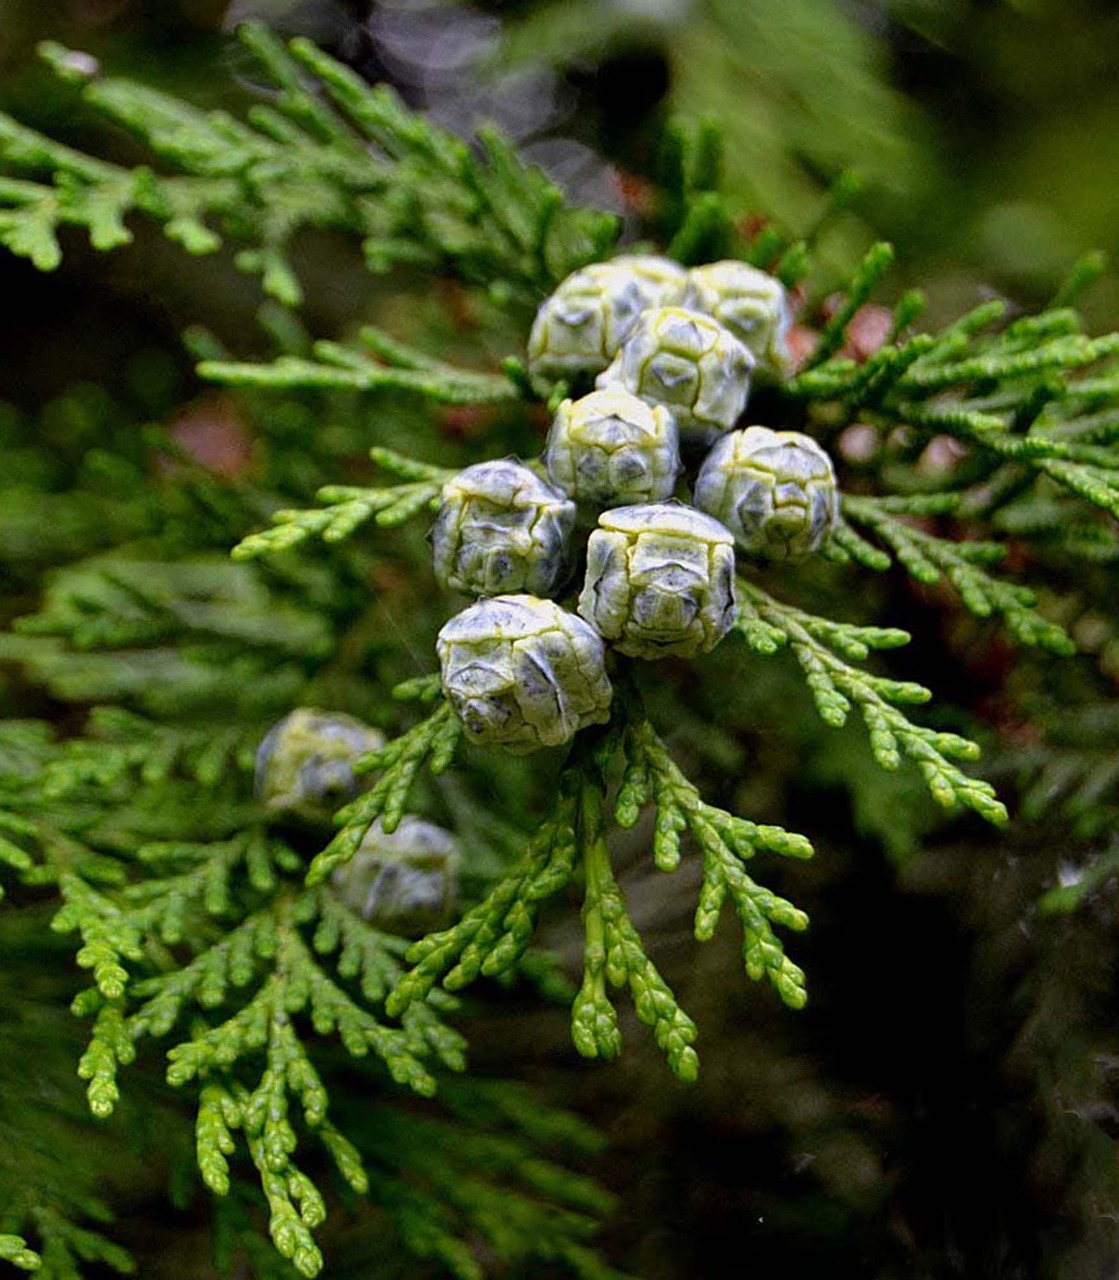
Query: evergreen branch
[[97, 196], [1087, 393], [204, 679], [758, 910], [419, 689], [1015, 355], [417, 194], [196, 921], [847, 544], [516, 1108], [705, 230], [868, 276], [234, 960], [120, 744], [488, 210], [364, 954], [372, 959], [425, 1229], [14, 1249], [1097, 426], [109, 935], [218, 1116], [764, 248], [331, 1009], [111, 1046], [958, 333], [652, 775], [168, 906], [544, 973], [1015, 397], [614, 954], [66, 1247], [276, 954], [377, 114], [492, 935], [1084, 272], [263, 183], [856, 386], [494, 1185], [87, 193], [1096, 484], [126, 927], [264, 1027], [500, 1119], [295, 1205], [406, 468], [1089, 471], [862, 387], [929, 559], [1060, 522], [908, 310], [402, 355], [725, 842], [348, 508], [432, 742], [14, 857], [40, 838], [340, 369], [836, 686], [307, 109], [97, 605]]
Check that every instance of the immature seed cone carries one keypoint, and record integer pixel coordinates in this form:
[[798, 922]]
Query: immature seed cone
[[584, 322], [690, 364], [611, 449], [660, 581], [660, 280], [501, 528], [304, 765], [522, 673], [403, 883], [748, 302], [774, 490]]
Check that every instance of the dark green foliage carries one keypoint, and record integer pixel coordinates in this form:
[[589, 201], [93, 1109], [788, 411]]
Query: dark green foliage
[[63, 1204], [362, 164]]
